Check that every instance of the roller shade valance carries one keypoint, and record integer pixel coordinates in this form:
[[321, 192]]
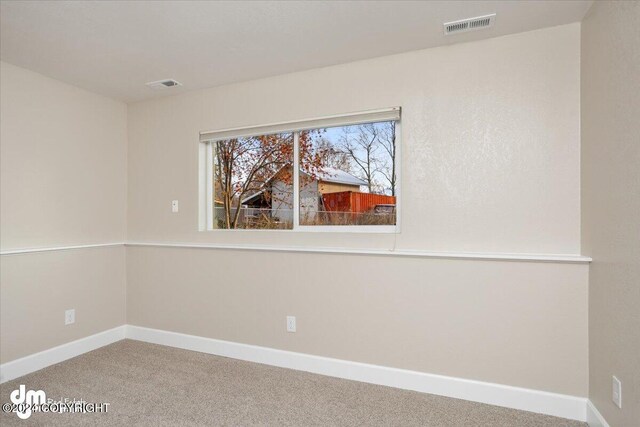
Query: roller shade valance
[[387, 114]]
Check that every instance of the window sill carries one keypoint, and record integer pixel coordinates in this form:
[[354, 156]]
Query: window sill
[[371, 229]]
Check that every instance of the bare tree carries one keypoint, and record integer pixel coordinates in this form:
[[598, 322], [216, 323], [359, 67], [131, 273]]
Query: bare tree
[[387, 138], [361, 147], [332, 155], [244, 166]]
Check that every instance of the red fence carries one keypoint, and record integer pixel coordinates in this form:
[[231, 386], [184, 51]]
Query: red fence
[[351, 201]]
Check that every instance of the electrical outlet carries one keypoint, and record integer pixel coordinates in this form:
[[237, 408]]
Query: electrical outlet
[[291, 323], [174, 206], [616, 392], [69, 316]]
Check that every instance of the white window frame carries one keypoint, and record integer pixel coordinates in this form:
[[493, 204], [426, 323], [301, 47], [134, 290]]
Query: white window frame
[[206, 198]]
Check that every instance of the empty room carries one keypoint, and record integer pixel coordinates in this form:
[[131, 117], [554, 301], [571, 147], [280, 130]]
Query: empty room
[[320, 213]]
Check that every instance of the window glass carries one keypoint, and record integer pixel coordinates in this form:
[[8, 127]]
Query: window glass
[[253, 182], [348, 175]]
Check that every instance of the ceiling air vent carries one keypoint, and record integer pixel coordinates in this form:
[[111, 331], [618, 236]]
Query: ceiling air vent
[[163, 84], [470, 24]]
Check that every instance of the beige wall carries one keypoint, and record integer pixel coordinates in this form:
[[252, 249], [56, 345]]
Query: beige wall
[[516, 323], [37, 289], [64, 169], [490, 144], [63, 177], [331, 187], [611, 202], [490, 163]]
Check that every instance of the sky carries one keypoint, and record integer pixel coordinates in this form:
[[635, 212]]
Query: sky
[[335, 134]]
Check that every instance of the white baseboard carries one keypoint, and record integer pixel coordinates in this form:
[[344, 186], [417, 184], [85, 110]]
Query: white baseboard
[[542, 402], [34, 362], [594, 417], [565, 406]]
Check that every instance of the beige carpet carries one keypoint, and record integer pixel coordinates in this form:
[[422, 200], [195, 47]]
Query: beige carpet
[[152, 385]]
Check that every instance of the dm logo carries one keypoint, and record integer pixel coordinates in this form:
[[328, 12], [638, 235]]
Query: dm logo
[[26, 400]]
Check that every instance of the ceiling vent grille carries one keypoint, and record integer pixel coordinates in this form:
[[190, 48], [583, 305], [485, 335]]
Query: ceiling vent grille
[[163, 84], [470, 24]]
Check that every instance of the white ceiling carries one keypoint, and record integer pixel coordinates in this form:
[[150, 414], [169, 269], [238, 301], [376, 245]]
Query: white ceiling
[[115, 47]]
